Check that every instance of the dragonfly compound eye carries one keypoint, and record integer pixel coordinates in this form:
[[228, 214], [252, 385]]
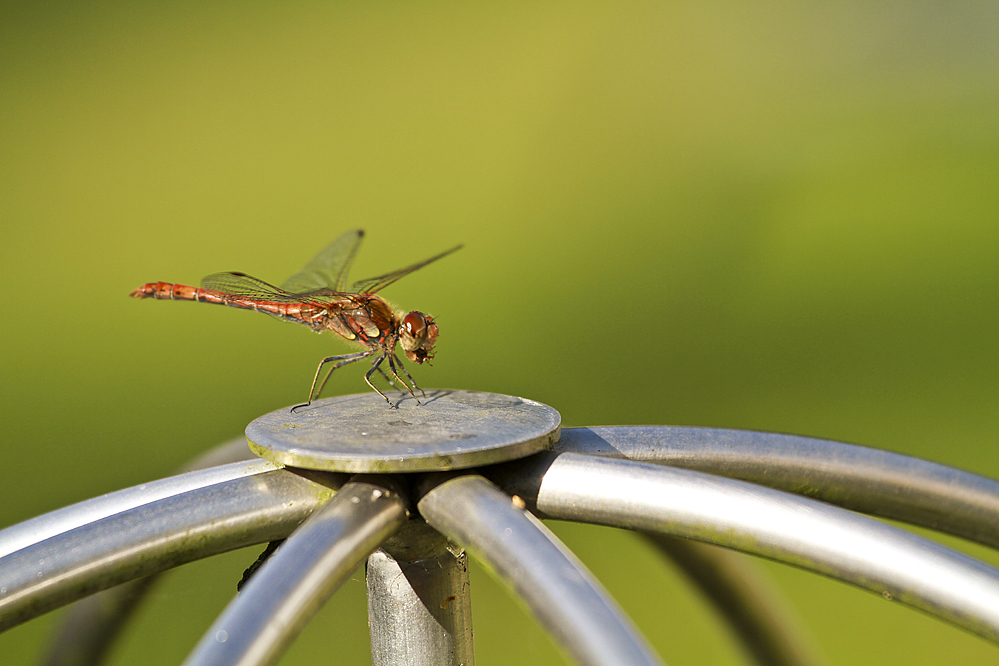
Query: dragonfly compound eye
[[418, 335], [415, 324]]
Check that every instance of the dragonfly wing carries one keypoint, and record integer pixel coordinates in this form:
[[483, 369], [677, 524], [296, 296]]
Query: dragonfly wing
[[241, 284], [375, 284], [328, 269]]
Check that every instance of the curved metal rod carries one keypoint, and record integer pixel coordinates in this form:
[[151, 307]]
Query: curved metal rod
[[154, 537], [294, 583], [795, 530], [62, 520], [877, 482], [565, 598], [744, 596], [236, 449], [90, 626]]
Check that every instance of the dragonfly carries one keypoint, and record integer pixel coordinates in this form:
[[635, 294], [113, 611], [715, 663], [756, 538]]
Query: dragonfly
[[317, 297]]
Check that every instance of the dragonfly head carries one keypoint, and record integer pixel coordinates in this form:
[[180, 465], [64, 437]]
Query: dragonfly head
[[417, 336]]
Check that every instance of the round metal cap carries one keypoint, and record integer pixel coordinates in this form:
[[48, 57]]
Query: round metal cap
[[450, 430]]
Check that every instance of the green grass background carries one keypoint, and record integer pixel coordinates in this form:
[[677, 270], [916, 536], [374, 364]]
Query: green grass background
[[767, 215]]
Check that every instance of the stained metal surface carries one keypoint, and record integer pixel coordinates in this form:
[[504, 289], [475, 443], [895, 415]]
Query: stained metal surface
[[154, 537], [806, 533], [449, 430], [300, 576], [564, 597], [869, 480]]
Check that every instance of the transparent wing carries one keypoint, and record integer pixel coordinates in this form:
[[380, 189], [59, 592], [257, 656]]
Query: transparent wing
[[328, 269], [241, 284], [375, 284]]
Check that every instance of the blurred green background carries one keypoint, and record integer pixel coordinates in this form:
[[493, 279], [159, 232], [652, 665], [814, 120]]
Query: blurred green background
[[761, 215]]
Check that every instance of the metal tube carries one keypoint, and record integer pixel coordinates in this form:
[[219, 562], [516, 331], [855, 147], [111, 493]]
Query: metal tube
[[67, 518], [564, 597], [745, 598], [419, 611], [795, 530], [154, 537], [300, 576], [92, 625], [868, 480], [89, 627]]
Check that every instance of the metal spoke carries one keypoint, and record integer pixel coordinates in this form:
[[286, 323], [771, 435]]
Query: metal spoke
[[564, 597], [745, 598], [869, 480], [154, 537], [300, 576], [787, 528], [57, 522], [90, 626]]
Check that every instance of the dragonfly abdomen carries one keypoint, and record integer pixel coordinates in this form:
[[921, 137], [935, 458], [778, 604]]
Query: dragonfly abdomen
[[304, 313], [174, 292]]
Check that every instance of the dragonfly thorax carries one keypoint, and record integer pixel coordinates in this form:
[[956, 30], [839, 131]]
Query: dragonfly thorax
[[417, 335], [368, 319]]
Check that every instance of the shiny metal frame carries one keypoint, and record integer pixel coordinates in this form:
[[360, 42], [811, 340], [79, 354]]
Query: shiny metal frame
[[781, 497]]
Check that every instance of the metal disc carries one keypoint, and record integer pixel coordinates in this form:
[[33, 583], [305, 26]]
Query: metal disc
[[450, 430]]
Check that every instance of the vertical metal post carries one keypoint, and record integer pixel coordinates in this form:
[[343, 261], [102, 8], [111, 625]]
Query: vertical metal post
[[419, 607]]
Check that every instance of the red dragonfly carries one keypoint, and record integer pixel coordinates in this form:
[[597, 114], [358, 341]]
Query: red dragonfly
[[316, 296]]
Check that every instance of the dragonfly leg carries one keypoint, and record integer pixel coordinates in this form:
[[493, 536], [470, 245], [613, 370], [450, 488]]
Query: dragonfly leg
[[346, 360], [387, 378], [398, 363], [395, 364], [367, 377], [339, 362]]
